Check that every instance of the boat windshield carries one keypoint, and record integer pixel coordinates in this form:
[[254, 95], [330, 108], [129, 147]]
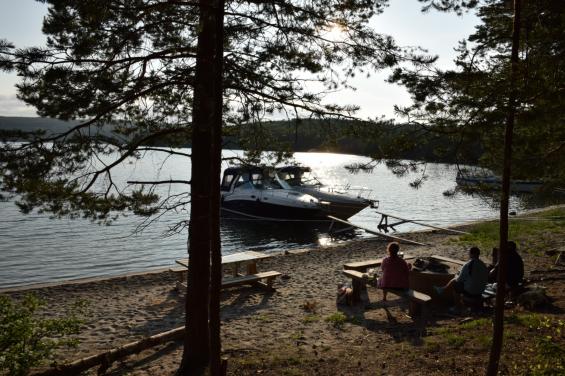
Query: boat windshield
[[243, 182], [298, 178], [264, 181], [271, 181]]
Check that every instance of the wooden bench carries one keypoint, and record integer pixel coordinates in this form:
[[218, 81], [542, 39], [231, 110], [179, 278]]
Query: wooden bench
[[181, 273], [416, 299], [249, 279], [253, 279]]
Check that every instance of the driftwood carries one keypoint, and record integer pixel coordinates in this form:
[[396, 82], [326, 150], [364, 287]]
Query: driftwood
[[105, 359]]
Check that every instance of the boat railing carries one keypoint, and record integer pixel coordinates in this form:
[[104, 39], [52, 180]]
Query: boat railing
[[358, 191]]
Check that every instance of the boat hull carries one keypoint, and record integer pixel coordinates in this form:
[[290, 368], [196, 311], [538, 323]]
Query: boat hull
[[268, 211], [339, 205]]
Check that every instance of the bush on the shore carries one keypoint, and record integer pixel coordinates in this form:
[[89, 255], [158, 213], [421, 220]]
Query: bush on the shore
[[27, 340]]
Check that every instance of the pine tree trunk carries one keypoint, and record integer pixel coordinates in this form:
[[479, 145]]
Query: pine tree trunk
[[498, 327], [205, 194], [215, 171]]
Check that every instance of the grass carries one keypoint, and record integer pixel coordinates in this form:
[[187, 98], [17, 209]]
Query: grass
[[297, 336], [455, 340], [528, 320], [431, 346], [481, 323], [337, 319], [523, 230], [264, 317], [484, 341], [308, 319], [539, 336], [547, 358], [285, 360]]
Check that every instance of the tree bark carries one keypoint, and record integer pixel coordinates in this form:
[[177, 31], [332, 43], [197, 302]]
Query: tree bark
[[205, 194], [216, 368], [498, 325]]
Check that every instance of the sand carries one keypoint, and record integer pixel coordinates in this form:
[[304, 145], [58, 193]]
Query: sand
[[254, 322]]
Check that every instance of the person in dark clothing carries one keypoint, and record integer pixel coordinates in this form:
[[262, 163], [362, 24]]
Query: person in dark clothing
[[515, 267], [472, 278]]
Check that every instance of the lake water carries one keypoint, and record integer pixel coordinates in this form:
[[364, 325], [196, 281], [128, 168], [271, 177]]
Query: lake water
[[35, 248]]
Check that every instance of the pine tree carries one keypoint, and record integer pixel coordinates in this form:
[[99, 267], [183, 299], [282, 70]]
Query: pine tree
[[507, 92], [471, 102], [165, 72]]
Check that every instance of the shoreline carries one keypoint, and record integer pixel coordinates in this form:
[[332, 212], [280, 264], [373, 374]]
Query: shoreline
[[159, 270], [279, 253], [261, 329]]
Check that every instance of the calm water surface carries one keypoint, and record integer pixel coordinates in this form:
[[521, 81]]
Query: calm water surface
[[35, 248]]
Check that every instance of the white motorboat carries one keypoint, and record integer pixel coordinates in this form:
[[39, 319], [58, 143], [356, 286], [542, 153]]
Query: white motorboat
[[258, 193], [341, 202]]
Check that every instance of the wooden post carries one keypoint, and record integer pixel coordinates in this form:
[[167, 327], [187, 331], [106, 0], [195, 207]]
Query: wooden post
[[357, 286], [252, 268], [414, 308], [236, 269]]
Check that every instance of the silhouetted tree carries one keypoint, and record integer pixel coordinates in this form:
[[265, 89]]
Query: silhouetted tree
[[154, 70], [507, 92]]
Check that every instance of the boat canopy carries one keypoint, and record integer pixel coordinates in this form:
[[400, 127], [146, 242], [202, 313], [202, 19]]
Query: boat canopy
[[251, 177]]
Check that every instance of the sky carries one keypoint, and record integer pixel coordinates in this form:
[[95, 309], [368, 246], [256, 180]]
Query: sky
[[438, 33]]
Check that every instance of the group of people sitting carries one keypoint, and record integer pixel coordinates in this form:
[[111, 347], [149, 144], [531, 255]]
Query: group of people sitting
[[471, 280]]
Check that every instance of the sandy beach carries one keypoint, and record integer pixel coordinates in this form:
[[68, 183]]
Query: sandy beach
[[263, 331]]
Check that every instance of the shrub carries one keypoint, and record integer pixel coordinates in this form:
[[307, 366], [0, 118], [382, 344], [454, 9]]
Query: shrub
[[28, 340], [337, 320]]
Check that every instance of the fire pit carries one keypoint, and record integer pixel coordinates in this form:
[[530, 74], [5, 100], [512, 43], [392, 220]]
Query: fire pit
[[428, 272]]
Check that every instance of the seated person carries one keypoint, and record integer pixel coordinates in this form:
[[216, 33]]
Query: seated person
[[514, 267], [395, 270], [472, 278]]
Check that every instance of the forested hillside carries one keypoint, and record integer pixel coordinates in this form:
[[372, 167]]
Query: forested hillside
[[337, 136]]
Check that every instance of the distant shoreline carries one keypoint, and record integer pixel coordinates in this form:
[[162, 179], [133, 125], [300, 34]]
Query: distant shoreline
[[310, 136]]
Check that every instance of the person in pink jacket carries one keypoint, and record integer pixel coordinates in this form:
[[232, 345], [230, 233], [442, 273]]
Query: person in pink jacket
[[394, 270]]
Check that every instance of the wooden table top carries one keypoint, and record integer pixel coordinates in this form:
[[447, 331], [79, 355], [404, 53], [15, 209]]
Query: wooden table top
[[233, 258]]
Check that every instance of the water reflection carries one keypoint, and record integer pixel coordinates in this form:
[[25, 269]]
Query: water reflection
[[518, 200], [274, 235]]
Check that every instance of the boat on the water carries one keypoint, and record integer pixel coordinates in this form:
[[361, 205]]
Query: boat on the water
[[341, 202], [258, 193], [494, 182], [287, 193]]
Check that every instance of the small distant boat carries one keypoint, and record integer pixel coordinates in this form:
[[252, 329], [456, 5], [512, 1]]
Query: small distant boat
[[341, 202], [495, 182]]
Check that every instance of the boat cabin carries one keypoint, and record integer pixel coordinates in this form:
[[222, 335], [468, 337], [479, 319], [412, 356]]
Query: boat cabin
[[251, 178]]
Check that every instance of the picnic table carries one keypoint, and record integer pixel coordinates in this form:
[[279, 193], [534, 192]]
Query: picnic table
[[362, 266], [234, 262], [421, 282]]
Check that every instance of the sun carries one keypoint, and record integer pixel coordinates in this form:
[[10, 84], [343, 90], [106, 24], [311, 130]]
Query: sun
[[335, 32]]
